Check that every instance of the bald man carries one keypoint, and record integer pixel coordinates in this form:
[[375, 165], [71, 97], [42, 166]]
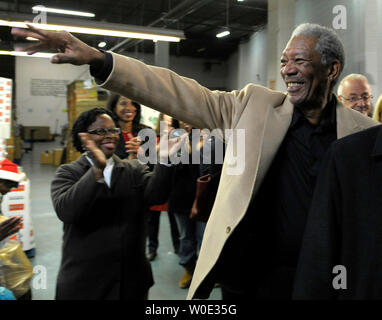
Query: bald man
[[354, 92]]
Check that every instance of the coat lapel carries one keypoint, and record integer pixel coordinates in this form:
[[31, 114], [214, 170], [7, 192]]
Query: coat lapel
[[346, 124]]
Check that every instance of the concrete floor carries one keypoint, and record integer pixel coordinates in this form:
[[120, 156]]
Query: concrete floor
[[48, 237]]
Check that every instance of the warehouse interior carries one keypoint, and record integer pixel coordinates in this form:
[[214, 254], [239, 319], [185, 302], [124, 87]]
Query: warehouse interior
[[46, 99]]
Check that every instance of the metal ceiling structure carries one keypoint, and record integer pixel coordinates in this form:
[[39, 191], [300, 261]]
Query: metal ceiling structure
[[200, 20]]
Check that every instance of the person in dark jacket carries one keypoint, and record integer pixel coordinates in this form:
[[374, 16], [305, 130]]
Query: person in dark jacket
[[127, 114], [101, 200], [154, 212], [183, 190], [341, 250]]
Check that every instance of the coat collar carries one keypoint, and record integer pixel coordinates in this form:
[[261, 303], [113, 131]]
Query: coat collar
[[118, 165], [346, 124]]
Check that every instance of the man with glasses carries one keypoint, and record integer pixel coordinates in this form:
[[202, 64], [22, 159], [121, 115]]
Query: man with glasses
[[354, 92]]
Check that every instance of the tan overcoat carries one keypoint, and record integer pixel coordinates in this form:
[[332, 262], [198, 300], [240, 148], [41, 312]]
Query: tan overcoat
[[264, 114]]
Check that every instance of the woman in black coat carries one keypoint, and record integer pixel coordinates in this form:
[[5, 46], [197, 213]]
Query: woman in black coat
[[102, 199]]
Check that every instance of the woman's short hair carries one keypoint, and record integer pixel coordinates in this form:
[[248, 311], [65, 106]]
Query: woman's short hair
[[112, 105], [83, 122]]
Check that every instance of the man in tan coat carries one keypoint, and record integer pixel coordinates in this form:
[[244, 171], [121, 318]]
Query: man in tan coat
[[253, 237]]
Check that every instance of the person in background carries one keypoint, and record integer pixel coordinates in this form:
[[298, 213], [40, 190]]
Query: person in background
[[182, 195], [10, 178], [377, 113], [354, 92], [128, 116], [102, 201], [155, 211]]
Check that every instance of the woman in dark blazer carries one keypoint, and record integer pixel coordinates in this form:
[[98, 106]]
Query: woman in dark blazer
[[102, 199]]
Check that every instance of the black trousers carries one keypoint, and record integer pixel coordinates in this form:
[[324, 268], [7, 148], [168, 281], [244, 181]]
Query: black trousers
[[153, 231]]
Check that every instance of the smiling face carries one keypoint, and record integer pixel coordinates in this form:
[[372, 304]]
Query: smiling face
[[125, 110], [108, 142], [307, 80], [353, 89]]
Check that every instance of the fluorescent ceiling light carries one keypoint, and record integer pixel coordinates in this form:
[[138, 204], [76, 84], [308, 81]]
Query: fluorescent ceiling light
[[94, 31], [61, 11], [32, 39], [102, 44], [24, 54], [223, 34]]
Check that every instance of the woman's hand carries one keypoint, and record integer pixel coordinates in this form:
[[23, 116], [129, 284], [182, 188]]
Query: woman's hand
[[133, 146], [10, 227], [72, 50], [95, 154]]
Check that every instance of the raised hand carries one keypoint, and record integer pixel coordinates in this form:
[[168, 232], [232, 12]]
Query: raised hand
[[172, 146], [94, 152], [72, 50], [132, 146], [9, 227]]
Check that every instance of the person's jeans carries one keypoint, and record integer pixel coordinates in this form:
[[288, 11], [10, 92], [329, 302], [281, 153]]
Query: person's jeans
[[191, 236]]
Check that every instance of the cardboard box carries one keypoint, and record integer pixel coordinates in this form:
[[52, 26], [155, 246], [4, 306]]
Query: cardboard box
[[82, 84], [18, 147], [77, 107], [46, 157], [10, 152], [57, 156], [72, 155]]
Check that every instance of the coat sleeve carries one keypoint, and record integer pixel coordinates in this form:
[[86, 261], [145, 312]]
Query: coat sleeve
[[320, 247], [181, 97], [157, 184], [73, 198]]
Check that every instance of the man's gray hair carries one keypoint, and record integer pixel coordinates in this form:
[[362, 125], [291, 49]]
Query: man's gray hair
[[352, 76], [329, 45]]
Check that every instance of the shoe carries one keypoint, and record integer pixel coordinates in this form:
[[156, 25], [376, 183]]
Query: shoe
[[185, 282], [151, 256]]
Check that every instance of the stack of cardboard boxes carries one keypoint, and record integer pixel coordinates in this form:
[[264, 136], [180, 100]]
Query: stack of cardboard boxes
[[82, 96], [13, 147]]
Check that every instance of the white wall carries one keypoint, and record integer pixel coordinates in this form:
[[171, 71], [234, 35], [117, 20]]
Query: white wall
[[249, 63], [43, 110], [209, 73], [373, 45]]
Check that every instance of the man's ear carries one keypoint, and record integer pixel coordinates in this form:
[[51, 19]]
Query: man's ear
[[334, 70]]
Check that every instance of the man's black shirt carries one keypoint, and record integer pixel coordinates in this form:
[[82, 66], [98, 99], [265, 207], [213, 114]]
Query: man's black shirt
[[286, 193]]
